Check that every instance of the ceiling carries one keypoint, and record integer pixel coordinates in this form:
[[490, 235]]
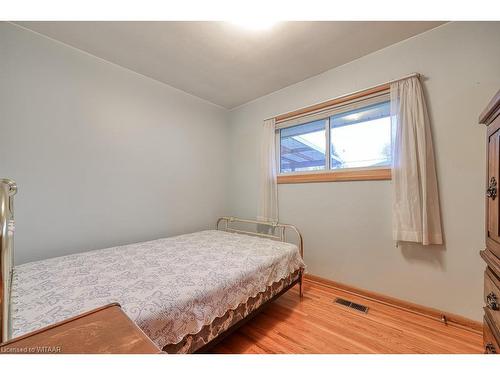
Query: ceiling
[[223, 63]]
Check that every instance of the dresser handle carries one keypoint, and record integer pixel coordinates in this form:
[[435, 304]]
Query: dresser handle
[[491, 192], [489, 348], [491, 300]]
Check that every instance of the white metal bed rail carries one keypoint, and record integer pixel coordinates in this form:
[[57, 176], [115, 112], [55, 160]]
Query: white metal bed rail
[[8, 189], [275, 226]]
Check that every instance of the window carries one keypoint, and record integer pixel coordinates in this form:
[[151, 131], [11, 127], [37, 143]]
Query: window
[[303, 147], [352, 139], [361, 137]]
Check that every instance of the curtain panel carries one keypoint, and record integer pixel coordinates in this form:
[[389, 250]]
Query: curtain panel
[[415, 209], [268, 181]]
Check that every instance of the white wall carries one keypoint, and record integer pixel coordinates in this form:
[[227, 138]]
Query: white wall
[[102, 156], [347, 225]]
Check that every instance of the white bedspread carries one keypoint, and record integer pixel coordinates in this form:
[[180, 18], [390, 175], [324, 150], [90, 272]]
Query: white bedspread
[[170, 287]]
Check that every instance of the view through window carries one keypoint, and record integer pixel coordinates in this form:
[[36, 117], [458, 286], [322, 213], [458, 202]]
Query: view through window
[[359, 138]]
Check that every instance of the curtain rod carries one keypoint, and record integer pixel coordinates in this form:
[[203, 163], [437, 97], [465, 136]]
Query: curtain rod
[[352, 93]]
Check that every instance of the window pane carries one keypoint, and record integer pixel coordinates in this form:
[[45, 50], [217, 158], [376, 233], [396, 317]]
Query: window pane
[[303, 147], [361, 138]]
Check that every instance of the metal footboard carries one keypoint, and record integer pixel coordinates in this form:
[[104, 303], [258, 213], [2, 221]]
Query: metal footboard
[[8, 189]]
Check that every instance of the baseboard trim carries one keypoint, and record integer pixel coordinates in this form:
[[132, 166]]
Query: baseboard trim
[[449, 318]]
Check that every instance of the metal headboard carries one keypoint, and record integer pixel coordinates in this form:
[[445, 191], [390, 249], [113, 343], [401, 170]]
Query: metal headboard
[[276, 227], [8, 189]]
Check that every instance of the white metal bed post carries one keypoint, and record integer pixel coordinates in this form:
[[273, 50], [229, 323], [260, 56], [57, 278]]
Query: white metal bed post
[[8, 189]]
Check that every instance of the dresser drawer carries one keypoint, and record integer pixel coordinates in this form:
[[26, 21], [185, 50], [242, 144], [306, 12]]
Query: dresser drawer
[[492, 297], [490, 343]]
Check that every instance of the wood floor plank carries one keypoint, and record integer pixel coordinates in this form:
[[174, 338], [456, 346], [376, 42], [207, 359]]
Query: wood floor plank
[[316, 324], [413, 324]]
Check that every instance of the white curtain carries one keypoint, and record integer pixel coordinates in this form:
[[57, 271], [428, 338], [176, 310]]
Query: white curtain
[[268, 190], [416, 213]]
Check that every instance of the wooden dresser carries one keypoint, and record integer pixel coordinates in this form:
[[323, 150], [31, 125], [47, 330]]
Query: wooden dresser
[[104, 330], [491, 255]]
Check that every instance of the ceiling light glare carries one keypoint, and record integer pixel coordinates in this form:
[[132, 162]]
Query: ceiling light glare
[[254, 24]]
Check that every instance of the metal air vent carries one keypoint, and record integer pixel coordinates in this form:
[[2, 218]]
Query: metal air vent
[[351, 305]]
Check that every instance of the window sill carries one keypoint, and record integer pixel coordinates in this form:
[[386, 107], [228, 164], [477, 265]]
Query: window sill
[[350, 175]]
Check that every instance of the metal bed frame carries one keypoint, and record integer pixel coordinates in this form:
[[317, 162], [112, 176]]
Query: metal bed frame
[[273, 226], [8, 189]]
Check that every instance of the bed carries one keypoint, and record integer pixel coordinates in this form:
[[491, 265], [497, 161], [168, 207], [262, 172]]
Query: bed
[[185, 292]]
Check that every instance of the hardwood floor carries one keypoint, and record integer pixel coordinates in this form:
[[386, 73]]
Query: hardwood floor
[[317, 325]]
